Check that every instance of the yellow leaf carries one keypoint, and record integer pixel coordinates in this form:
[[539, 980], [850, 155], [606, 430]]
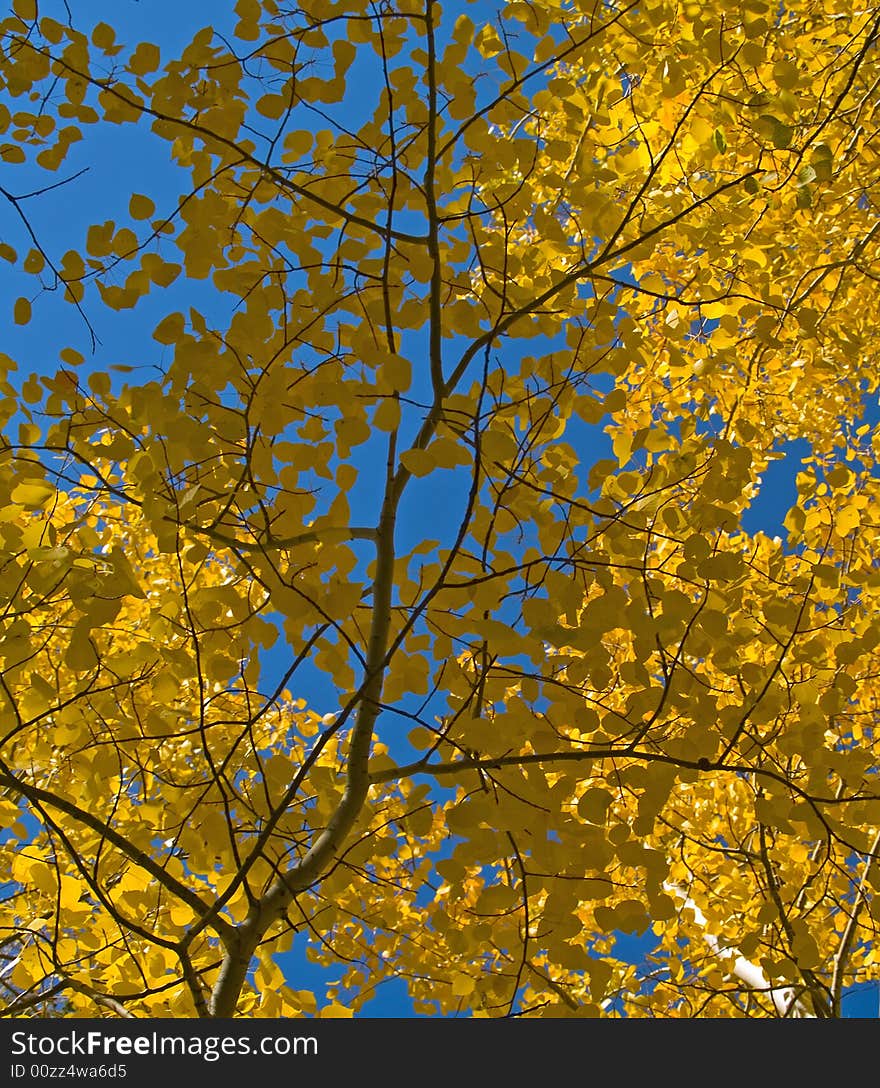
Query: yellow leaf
[[71, 357], [104, 37], [397, 371], [99, 239], [71, 892], [22, 311], [593, 805], [848, 518], [140, 207], [34, 262], [387, 415], [33, 493], [81, 654], [498, 445], [335, 1011], [272, 106], [25, 9], [145, 59], [418, 462], [448, 453], [170, 329]]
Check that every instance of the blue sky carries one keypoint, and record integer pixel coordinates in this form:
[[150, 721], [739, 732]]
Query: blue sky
[[114, 159]]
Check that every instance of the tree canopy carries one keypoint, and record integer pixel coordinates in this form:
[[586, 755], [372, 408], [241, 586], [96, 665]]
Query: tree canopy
[[481, 328]]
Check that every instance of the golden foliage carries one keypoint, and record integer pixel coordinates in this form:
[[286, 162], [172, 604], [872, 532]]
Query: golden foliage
[[510, 319]]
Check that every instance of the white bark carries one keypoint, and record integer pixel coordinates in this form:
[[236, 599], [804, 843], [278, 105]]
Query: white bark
[[784, 998]]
